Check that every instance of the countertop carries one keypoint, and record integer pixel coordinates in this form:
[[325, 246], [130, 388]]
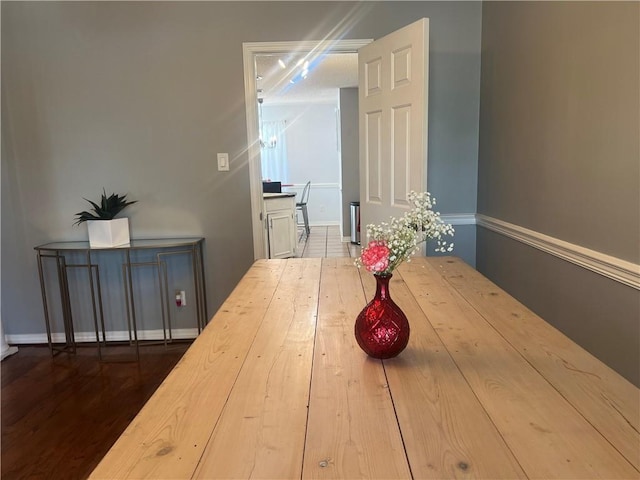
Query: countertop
[[268, 196]]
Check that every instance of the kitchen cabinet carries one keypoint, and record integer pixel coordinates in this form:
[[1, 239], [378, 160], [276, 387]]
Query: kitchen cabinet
[[280, 210]]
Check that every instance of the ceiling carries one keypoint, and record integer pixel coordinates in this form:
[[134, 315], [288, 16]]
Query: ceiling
[[325, 74]]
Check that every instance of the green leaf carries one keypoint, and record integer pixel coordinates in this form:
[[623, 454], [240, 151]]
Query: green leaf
[[109, 207]]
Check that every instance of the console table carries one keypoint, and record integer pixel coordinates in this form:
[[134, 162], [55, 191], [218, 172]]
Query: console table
[[60, 252]]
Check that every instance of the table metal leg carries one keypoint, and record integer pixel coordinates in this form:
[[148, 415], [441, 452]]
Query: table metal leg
[[159, 266], [67, 317], [203, 319], [104, 332], [98, 322], [125, 285], [93, 303], [164, 294], [133, 308], [166, 280], [45, 306]]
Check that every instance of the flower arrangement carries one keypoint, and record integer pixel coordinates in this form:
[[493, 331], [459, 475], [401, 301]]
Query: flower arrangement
[[391, 244]]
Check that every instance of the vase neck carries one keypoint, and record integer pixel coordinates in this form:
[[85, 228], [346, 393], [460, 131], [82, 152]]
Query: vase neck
[[382, 286]]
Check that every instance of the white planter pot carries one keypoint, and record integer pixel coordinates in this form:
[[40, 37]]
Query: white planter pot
[[108, 233]]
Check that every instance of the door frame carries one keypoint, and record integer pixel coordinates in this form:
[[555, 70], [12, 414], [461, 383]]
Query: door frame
[[249, 51]]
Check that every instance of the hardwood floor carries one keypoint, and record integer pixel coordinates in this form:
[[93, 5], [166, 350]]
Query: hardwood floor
[[61, 415]]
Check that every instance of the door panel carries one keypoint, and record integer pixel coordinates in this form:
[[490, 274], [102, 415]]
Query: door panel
[[373, 185], [393, 121], [373, 76], [281, 233], [401, 166]]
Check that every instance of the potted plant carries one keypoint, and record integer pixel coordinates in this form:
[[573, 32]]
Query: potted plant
[[104, 229]]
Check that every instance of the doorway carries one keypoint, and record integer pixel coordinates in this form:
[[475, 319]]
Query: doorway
[[309, 51]]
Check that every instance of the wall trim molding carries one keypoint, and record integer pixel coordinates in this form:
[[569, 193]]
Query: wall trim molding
[[90, 337], [622, 271], [313, 185], [452, 218], [459, 218]]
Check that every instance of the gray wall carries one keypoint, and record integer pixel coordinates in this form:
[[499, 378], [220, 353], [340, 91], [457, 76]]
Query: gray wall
[[559, 154], [350, 154], [139, 97]]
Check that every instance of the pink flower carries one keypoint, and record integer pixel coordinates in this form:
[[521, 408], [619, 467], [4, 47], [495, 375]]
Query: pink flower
[[375, 257]]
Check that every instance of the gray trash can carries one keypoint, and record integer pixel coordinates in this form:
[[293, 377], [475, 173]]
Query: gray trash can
[[355, 223]]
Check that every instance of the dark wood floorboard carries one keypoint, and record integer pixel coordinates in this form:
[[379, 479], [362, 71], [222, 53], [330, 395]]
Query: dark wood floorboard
[[60, 415]]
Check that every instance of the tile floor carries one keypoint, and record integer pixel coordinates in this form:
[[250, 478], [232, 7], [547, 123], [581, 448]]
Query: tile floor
[[325, 242]]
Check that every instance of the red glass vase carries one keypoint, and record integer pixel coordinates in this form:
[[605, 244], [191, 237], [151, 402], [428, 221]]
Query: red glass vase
[[382, 329]]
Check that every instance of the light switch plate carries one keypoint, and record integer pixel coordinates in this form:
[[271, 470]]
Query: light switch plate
[[223, 162]]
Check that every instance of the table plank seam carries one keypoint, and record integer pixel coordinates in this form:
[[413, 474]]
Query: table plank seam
[[547, 380], [313, 354], [230, 391], [395, 412], [479, 402]]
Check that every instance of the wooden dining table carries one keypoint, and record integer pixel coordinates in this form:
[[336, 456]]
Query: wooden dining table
[[276, 387]]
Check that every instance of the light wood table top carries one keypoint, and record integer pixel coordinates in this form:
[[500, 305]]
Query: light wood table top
[[276, 387]]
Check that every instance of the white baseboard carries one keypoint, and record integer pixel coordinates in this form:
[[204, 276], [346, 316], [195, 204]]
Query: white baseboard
[[611, 267], [113, 336], [300, 186], [328, 223], [6, 352]]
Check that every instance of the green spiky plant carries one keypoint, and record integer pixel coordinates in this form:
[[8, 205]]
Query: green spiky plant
[[109, 207]]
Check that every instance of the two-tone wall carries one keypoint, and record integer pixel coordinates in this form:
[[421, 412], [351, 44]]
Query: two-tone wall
[[138, 97], [313, 155], [559, 167]]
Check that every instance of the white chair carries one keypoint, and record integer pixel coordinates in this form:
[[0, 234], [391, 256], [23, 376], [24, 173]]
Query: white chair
[[302, 206]]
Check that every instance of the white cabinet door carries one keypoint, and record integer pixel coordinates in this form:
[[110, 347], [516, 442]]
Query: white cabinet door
[[393, 121], [282, 234]]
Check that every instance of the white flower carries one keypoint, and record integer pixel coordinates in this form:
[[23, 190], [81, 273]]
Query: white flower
[[403, 236]]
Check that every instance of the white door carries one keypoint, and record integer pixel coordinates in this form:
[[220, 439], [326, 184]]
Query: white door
[[393, 76]]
